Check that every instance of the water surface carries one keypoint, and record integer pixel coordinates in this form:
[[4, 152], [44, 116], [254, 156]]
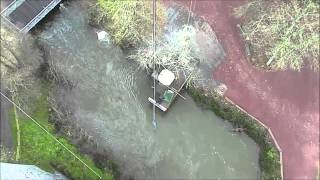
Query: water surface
[[109, 99]]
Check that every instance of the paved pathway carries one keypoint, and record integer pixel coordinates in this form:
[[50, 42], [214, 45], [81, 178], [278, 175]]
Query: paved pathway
[[288, 102], [5, 130]]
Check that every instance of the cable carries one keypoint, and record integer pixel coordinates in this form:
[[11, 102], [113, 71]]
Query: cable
[[52, 136]]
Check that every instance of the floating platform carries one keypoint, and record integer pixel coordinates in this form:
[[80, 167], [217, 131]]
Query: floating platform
[[168, 88]]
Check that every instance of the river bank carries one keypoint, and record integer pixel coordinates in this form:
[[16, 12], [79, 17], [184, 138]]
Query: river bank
[[269, 158], [36, 146]]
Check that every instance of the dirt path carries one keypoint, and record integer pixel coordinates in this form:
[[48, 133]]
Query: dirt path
[[288, 102]]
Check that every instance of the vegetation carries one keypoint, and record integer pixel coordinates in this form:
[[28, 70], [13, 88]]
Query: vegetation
[[38, 148], [6, 155], [269, 159], [20, 60], [22, 64], [130, 22], [284, 33], [178, 52], [16, 130]]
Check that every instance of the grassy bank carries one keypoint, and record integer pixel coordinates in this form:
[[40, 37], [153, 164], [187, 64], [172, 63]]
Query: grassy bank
[[269, 159], [38, 148], [13, 126]]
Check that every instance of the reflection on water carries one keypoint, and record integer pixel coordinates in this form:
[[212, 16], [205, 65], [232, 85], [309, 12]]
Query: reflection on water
[[110, 102]]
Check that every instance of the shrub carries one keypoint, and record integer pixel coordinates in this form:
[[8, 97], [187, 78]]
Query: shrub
[[177, 52], [6, 155], [130, 21], [282, 32]]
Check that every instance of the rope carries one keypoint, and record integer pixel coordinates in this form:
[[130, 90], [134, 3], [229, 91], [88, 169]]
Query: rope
[[52, 136], [154, 66]]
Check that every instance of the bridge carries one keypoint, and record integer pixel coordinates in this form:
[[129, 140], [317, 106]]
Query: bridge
[[23, 15]]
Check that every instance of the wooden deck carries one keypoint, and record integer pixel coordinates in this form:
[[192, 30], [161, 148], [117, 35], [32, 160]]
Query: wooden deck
[[23, 15]]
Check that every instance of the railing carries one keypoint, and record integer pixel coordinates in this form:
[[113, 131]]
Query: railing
[[8, 10], [43, 13], [16, 3], [11, 7]]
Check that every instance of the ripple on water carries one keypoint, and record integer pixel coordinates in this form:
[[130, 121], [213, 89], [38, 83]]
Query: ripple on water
[[109, 100]]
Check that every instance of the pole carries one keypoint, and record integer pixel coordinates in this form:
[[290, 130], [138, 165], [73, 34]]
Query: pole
[[154, 122]]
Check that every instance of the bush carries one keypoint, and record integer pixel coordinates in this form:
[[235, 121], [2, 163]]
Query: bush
[[286, 32], [6, 155], [177, 52], [130, 21]]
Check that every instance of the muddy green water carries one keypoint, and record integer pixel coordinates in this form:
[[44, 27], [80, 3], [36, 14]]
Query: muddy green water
[[109, 100]]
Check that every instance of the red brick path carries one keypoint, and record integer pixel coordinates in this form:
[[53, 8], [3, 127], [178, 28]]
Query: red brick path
[[287, 102]]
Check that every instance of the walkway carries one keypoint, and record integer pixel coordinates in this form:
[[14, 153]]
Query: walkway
[[287, 102], [5, 129]]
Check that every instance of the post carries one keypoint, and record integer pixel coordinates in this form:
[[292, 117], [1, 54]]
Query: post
[[154, 122]]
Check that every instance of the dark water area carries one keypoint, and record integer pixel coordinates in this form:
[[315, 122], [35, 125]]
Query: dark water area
[[109, 100]]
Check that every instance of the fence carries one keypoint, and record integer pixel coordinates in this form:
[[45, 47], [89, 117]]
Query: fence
[[41, 15]]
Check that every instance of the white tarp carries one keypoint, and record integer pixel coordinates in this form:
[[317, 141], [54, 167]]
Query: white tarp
[[20, 171], [103, 36], [166, 77]]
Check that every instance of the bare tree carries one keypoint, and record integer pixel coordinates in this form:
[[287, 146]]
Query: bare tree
[[20, 59]]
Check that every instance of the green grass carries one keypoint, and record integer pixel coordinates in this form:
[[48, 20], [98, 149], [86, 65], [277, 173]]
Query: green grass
[[269, 158], [13, 127], [39, 149]]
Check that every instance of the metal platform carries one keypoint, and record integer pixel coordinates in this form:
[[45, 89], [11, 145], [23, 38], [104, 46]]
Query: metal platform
[[23, 15], [160, 100]]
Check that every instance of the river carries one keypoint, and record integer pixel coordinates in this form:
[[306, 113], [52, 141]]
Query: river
[[109, 100]]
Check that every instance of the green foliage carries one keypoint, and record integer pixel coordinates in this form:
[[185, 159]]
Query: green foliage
[[269, 157], [129, 21], [285, 31], [6, 155], [38, 148], [13, 127]]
